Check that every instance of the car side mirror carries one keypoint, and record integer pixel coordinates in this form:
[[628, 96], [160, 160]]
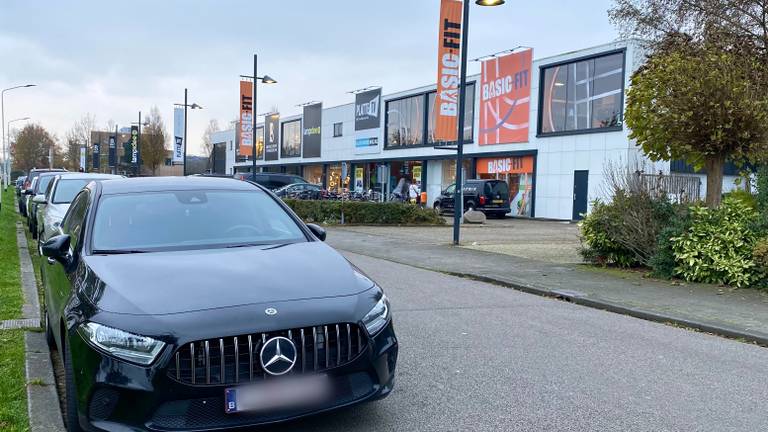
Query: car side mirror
[[28, 192], [318, 231], [39, 199], [57, 248]]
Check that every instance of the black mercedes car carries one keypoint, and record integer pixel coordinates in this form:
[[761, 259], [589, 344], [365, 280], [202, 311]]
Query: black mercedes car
[[205, 304]]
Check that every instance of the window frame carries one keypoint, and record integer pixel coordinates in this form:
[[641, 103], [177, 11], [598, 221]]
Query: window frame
[[425, 129], [540, 108], [282, 138], [340, 129]]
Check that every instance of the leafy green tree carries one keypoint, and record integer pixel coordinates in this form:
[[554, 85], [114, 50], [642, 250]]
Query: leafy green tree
[[31, 148], [701, 102]]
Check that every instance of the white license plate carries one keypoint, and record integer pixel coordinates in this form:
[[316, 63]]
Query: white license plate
[[276, 393]]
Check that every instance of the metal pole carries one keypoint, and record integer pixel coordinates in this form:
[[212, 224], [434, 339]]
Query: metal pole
[[5, 156], [185, 132], [253, 140], [114, 166], [138, 150], [459, 193]]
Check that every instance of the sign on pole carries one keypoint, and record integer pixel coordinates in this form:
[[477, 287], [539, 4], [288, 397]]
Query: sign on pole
[[178, 135], [246, 118], [448, 66], [96, 156]]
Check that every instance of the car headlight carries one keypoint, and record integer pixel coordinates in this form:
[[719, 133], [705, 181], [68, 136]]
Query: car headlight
[[121, 344], [377, 317]]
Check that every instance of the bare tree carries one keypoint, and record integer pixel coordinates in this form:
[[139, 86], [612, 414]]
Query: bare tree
[[153, 141], [213, 127]]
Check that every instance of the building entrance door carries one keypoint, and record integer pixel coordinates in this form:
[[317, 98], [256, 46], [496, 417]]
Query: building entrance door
[[580, 193]]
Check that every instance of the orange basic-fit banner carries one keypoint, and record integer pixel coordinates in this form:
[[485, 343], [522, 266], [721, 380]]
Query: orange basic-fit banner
[[448, 66], [505, 96], [505, 165], [246, 118]]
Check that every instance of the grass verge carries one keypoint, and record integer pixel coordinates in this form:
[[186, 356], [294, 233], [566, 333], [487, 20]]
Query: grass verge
[[13, 394], [11, 297]]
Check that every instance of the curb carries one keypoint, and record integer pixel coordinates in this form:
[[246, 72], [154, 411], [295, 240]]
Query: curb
[[42, 397], [579, 299]]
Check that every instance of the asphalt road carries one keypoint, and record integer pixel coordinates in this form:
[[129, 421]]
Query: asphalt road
[[480, 357]]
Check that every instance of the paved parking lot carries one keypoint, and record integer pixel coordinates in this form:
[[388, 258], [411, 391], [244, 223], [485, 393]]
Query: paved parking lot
[[550, 241], [480, 357]]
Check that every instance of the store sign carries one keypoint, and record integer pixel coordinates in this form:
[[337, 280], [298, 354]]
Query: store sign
[[448, 70], [505, 96], [508, 165], [178, 135], [112, 160], [135, 146], [362, 143], [96, 156], [313, 119], [368, 110], [246, 118], [272, 138]]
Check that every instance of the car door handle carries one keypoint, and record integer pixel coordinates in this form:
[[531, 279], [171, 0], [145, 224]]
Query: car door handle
[[51, 261]]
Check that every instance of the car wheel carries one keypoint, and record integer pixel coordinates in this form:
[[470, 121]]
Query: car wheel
[[49, 339], [70, 409]]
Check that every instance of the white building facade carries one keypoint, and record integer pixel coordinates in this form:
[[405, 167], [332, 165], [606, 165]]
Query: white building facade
[[575, 130]]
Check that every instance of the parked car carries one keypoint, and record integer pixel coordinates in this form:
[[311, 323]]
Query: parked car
[[20, 184], [59, 195], [488, 196], [37, 197], [303, 191], [26, 191], [195, 303], [271, 181]]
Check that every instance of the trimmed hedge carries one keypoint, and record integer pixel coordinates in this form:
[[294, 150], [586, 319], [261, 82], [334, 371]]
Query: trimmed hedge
[[362, 212]]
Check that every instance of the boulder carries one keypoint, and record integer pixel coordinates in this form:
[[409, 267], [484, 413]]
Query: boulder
[[474, 217]]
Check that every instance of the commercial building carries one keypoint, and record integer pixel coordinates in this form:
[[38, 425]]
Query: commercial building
[[568, 127]]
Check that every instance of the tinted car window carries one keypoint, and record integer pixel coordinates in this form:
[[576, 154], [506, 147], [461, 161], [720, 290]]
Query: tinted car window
[[177, 220], [497, 188], [67, 189], [73, 221]]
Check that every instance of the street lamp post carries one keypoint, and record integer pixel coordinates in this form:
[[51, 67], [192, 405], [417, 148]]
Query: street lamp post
[[266, 79], [6, 166], [185, 105], [458, 203]]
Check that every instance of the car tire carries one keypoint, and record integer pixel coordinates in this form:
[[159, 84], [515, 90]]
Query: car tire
[[70, 409], [49, 339]]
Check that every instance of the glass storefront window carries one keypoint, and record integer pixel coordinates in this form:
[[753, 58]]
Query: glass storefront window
[[314, 174], [582, 95], [335, 182], [469, 115], [405, 122], [290, 137], [449, 171], [517, 172]]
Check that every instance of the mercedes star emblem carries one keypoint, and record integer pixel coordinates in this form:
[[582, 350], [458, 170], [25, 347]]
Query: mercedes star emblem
[[270, 311], [278, 355]]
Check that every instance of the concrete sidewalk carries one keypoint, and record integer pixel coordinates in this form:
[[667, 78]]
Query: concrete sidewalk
[[733, 313]]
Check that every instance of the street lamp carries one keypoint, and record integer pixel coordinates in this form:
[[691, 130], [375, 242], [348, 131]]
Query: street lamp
[[6, 166], [266, 79], [185, 105], [458, 204]]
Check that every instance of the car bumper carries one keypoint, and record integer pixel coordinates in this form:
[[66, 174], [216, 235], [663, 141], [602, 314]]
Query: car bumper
[[117, 396]]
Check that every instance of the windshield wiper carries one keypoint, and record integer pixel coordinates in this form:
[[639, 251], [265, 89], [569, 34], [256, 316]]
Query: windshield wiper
[[117, 251], [246, 245]]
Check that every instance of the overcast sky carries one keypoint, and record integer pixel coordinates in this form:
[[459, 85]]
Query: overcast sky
[[112, 59]]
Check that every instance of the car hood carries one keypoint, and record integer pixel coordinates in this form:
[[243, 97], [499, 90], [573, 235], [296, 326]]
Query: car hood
[[186, 281]]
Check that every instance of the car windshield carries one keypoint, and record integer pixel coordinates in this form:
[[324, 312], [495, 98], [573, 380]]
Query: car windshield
[[177, 220], [67, 189], [43, 183]]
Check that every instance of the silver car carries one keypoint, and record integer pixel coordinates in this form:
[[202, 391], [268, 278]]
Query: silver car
[[54, 204]]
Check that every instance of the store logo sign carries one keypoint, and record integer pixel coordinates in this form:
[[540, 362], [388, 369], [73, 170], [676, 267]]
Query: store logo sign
[[506, 165], [366, 142], [368, 110]]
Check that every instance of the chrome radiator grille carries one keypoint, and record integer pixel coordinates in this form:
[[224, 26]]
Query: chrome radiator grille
[[232, 360]]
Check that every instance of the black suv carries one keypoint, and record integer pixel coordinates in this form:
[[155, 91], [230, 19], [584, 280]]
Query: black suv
[[271, 181], [488, 196]]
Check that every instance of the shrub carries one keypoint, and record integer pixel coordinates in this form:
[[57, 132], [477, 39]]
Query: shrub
[[597, 245], [357, 212], [743, 196], [663, 262], [718, 245], [760, 256]]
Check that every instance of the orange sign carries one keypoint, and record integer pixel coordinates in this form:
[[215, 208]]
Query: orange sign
[[246, 118], [505, 96], [505, 165], [448, 66]]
